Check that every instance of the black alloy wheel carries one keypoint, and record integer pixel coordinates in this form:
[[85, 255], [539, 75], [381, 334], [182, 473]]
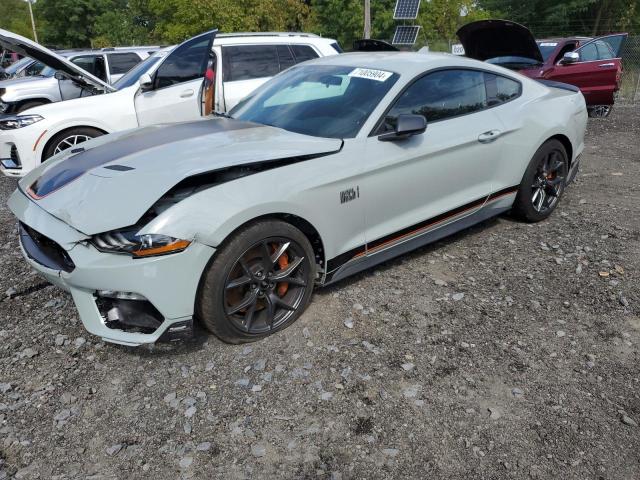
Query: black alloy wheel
[[259, 282], [543, 183], [549, 182], [266, 285]]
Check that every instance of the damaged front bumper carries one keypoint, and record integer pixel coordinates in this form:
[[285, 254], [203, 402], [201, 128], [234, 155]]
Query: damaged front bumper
[[120, 299]]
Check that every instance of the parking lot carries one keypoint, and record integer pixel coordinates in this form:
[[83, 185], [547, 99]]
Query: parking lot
[[507, 351]]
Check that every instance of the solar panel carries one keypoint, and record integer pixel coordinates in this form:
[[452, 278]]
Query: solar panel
[[406, 9], [406, 35]]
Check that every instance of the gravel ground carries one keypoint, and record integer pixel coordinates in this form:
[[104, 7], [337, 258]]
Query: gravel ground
[[507, 351]]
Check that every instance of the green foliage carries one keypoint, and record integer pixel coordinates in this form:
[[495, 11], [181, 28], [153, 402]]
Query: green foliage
[[69, 23], [85, 23], [14, 16], [569, 17]]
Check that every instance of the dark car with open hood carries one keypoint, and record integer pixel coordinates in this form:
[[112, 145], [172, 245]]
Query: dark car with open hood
[[592, 64]]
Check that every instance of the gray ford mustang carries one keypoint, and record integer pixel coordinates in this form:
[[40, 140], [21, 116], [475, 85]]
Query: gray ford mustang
[[327, 169]]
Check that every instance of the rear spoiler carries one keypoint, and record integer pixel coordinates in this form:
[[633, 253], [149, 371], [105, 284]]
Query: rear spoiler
[[563, 86]]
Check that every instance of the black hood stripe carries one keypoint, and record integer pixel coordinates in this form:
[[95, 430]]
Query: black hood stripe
[[138, 141]]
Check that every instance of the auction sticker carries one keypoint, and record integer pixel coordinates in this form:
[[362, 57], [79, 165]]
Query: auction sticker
[[548, 44], [378, 75]]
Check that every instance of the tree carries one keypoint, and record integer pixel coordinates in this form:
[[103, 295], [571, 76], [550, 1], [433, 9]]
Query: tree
[[70, 23], [569, 17], [14, 16]]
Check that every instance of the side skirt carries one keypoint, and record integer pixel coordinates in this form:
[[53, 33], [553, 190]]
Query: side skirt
[[496, 204]]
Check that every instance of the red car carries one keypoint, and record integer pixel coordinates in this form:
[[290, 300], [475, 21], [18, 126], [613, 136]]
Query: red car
[[591, 64]]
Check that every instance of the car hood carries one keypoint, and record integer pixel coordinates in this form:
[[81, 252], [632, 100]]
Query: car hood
[[29, 48], [23, 82], [117, 178], [486, 39]]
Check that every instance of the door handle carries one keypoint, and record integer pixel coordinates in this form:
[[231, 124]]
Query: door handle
[[607, 65], [186, 94], [490, 136]]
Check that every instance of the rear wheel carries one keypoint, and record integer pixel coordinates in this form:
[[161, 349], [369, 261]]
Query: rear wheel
[[69, 139], [543, 183], [600, 111], [259, 282]]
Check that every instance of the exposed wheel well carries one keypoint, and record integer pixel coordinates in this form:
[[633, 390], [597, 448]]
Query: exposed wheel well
[[301, 224], [566, 143], [41, 101], [50, 141]]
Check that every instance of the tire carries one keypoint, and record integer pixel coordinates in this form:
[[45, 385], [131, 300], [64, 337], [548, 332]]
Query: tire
[[28, 105], [543, 183], [69, 138], [237, 301], [599, 111]]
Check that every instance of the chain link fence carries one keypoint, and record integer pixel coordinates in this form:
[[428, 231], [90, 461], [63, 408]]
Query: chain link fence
[[629, 84]]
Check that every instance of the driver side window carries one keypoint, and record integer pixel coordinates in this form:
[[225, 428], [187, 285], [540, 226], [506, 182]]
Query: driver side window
[[440, 95], [187, 62], [588, 53]]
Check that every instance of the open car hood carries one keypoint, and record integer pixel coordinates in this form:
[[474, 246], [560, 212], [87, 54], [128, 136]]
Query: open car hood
[[111, 181], [487, 39], [29, 48]]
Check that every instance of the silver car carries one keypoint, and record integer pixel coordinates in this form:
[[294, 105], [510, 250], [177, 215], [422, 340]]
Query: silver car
[[327, 169], [35, 84]]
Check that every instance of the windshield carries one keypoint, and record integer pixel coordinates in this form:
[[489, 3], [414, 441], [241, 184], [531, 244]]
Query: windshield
[[133, 75], [318, 100], [47, 72], [14, 67], [547, 48]]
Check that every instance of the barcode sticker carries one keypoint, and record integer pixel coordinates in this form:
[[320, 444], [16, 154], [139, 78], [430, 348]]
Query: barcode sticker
[[377, 75]]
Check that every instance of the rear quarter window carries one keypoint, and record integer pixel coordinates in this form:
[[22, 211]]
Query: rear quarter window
[[120, 63], [303, 53], [246, 62], [501, 89]]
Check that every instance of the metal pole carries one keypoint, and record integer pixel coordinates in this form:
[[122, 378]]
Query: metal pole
[[33, 22], [367, 18]]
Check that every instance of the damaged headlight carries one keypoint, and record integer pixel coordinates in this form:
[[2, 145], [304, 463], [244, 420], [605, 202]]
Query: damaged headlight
[[138, 246], [19, 121]]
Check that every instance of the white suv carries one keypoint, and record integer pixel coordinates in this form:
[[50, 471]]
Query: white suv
[[173, 85]]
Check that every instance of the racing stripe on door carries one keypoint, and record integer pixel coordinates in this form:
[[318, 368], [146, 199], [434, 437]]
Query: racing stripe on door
[[416, 229]]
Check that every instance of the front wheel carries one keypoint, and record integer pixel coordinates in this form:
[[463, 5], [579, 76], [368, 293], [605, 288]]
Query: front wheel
[[69, 139], [259, 282], [543, 183]]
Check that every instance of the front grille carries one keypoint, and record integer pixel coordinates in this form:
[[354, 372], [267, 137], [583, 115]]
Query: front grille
[[14, 156], [43, 250]]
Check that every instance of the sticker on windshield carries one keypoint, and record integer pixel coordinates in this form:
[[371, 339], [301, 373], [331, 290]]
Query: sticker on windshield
[[548, 44], [378, 75]]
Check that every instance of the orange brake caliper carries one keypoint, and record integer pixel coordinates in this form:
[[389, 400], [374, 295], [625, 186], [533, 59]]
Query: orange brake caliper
[[283, 262]]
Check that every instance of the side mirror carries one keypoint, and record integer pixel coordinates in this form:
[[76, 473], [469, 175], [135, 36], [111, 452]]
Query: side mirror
[[570, 57], [407, 125], [146, 82], [59, 76]]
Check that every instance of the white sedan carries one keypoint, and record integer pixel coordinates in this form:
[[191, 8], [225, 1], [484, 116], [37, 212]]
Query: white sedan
[[331, 167]]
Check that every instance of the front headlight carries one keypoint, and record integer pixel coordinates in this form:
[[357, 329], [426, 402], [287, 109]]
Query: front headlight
[[18, 121], [138, 246]]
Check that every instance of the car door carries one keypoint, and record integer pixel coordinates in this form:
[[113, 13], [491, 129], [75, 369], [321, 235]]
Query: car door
[[444, 174], [246, 67], [597, 72], [175, 95]]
